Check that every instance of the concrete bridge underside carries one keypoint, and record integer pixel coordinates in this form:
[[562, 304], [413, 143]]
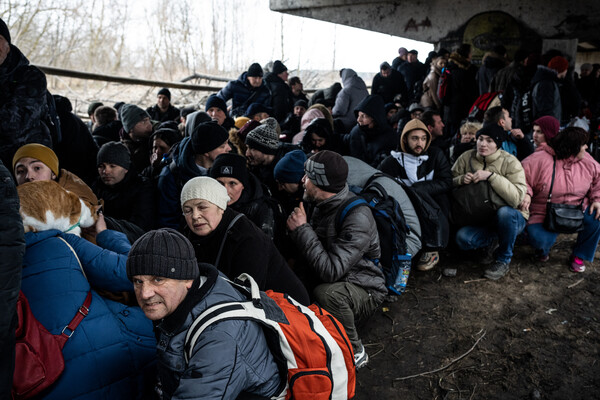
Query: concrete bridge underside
[[570, 26]]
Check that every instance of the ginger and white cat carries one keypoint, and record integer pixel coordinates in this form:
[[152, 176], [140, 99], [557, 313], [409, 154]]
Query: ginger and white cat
[[46, 205]]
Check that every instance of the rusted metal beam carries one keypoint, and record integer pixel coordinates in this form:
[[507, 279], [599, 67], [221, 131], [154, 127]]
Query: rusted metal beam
[[121, 79]]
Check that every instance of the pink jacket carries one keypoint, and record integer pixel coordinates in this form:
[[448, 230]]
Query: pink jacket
[[572, 181]]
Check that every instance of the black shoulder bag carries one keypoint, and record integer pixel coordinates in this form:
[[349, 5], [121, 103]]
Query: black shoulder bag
[[562, 218]]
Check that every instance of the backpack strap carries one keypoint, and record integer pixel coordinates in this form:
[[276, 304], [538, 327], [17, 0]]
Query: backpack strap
[[345, 208], [251, 309], [233, 221]]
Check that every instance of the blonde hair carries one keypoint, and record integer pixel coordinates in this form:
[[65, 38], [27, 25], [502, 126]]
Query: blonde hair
[[470, 126]]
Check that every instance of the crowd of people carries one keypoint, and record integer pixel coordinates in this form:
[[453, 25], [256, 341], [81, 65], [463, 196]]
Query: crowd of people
[[252, 182]]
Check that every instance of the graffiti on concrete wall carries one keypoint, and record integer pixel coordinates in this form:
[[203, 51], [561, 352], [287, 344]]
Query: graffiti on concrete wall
[[412, 25], [486, 30]]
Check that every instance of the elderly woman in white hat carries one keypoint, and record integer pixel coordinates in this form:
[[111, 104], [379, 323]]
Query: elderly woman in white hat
[[231, 242]]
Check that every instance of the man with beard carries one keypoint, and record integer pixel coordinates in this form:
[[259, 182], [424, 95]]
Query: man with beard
[[424, 168], [350, 286]]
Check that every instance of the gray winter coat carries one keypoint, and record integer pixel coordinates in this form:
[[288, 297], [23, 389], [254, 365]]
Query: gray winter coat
[[358, 174], [354, 91], [343, 256], [229, 358]]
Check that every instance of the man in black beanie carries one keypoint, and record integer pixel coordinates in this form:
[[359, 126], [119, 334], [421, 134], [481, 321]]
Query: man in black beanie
[[247, 89], [350, 286], [228, 358], [282, 98], [163, 110], [217, 110], [23, 105], [128, 199], [192, 157]]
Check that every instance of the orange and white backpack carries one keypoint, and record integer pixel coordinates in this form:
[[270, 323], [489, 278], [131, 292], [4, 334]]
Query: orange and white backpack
[[310, 346]]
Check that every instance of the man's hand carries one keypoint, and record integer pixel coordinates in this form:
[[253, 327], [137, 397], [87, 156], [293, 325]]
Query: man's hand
[[595, 208], [517, 133], [525, 203], [296, 218]]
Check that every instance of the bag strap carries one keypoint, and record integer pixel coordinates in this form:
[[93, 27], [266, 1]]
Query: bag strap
[[552, 183], [82, 312], [68, 330], [75, 254], [233, 221]]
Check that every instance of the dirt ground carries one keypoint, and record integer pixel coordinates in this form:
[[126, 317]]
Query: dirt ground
[[533, 334]]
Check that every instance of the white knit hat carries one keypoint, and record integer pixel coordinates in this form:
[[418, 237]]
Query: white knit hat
[[205, 188]]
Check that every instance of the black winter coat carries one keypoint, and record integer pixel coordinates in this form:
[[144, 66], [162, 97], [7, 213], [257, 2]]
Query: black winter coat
[[282, 98], [255, 203], [107, 133], [12, 249], [77, 149], [23, 105], [389, 87], [461, 92], [172, 113], [372, 145], [439, 183], [247, 249], [132, 200]]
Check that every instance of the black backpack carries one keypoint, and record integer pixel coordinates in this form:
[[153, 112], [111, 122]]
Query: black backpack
[[392, 230]]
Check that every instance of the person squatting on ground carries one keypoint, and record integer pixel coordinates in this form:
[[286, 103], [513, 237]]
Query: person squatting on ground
[[576, 181], [350, 286], [506, 178]]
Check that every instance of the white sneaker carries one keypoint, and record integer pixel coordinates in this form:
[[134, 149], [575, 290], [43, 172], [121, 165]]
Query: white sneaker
[[361, 358]]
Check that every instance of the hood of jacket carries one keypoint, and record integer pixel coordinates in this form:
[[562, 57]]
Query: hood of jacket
[[374, 107], [243, 79], [493, 61], [195, 119], [459, 61], [351, 79], [14, 60], [544, 74], [32, 238], [183, 157], [410, 126]]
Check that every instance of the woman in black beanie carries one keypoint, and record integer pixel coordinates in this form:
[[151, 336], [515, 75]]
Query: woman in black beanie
[[247, 194]]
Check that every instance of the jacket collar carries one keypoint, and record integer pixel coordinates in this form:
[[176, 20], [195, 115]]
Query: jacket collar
[[171, 324], [334, 201]]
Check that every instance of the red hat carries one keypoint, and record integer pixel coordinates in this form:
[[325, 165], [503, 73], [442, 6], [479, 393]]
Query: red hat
[[549, 126], [559, 64]]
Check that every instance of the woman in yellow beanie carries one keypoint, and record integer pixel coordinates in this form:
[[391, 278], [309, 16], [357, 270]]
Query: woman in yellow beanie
[[36, 162]]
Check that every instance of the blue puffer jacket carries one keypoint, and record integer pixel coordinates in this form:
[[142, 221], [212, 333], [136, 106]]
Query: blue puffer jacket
[[240, 92], [112, 351], [173, 176], [230, 358]]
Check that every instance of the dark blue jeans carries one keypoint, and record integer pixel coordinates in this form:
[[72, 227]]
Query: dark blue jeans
[[508, 225], [587, 239]]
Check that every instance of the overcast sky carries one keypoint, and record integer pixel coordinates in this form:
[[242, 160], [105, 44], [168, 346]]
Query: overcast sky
[[308, 43]]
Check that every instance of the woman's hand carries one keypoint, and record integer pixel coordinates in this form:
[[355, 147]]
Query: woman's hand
[[481, 175], [595, 208], [467, 178], [525, 203], [100, 223]]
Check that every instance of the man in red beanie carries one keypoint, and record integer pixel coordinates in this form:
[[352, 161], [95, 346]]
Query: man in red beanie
[[546, 92]]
